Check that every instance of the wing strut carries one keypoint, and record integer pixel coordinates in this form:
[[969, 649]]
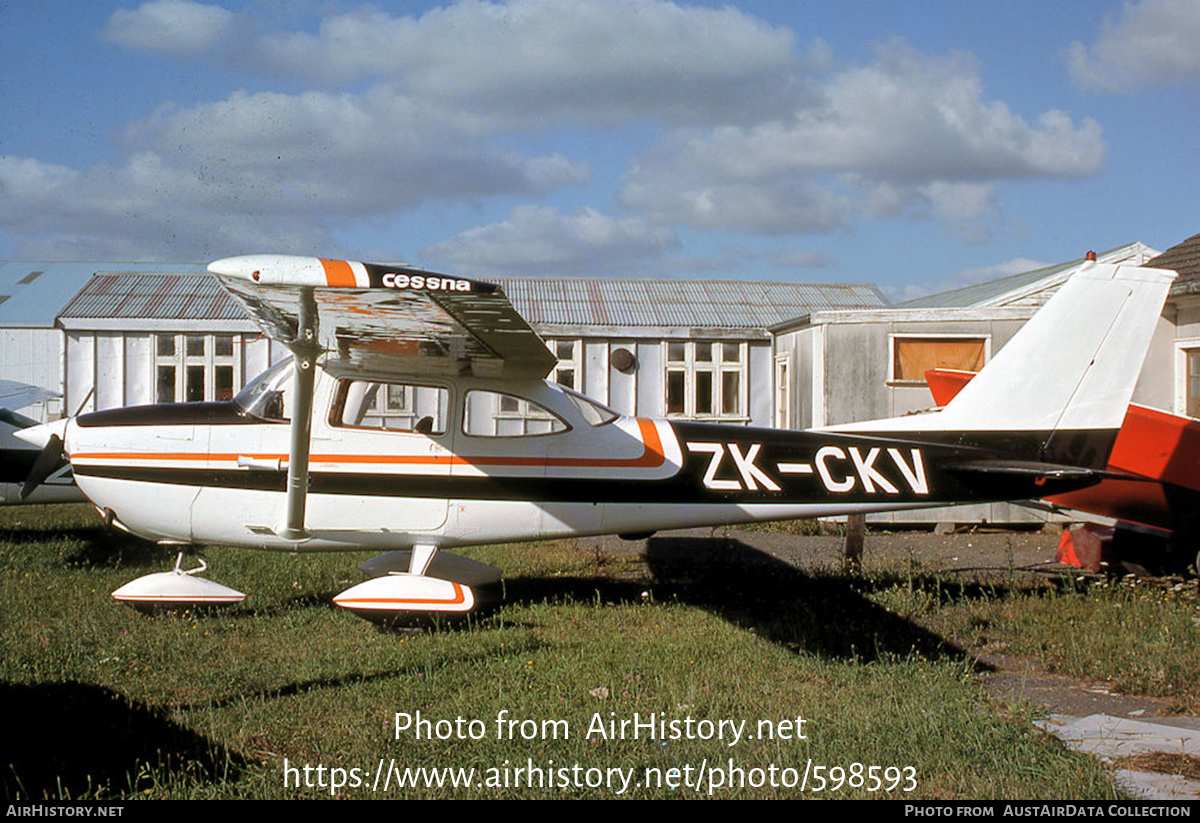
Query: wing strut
[[305, 348]]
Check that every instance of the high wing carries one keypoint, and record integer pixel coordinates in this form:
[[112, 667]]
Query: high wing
[[369, 319], [379, 319]]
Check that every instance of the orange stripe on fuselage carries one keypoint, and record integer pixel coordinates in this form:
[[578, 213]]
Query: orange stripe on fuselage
[[338, 273], [652, 457]]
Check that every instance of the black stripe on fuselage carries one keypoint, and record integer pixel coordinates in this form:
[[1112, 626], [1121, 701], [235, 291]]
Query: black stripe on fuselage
[[867, 469], [170, 414], [1086, 448]]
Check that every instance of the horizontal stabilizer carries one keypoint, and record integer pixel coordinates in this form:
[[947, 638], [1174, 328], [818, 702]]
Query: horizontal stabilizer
[[1036, 479], [1026, 468]]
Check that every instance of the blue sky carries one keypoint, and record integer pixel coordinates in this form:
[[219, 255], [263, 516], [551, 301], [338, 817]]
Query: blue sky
[[919, 146]]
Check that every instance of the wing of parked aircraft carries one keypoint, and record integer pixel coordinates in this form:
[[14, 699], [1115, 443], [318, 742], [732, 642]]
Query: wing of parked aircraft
[[375, 319], [367, 319]]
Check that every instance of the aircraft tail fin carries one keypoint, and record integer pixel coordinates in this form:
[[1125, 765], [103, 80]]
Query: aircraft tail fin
[[1067, 374], [1074, 365]]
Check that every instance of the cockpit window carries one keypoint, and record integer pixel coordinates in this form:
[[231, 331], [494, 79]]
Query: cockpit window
[[495, 414], [594, 413], [264, 396], [398, 407]]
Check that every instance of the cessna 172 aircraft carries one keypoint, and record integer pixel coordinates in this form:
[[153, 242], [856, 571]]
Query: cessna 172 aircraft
[[414, 417]]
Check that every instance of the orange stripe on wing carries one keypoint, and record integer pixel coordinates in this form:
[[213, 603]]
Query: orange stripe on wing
[[338, 273]]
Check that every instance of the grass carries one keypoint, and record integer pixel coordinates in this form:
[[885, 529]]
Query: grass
[[106, 702], [1139, 636]]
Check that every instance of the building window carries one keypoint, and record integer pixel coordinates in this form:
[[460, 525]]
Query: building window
[[1192, 406], [706, 380], [783, 391], [912, 356], [568, 372], [190, 368]]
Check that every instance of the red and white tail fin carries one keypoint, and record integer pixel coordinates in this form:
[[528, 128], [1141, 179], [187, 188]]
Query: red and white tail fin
[[1072, 367]]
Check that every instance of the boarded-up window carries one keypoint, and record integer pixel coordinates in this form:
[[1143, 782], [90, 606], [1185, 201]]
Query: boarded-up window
[[913, 356]]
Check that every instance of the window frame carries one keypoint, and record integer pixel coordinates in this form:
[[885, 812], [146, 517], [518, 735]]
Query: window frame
[[574, 362], [207, 361], [1184, 348], [715, 368], [341, 392], [524, 415]]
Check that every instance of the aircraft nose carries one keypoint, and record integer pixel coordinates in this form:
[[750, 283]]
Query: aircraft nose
[[40, 435]]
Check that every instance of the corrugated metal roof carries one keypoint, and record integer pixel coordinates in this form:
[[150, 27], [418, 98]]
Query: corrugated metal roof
[[725, 304], [984, 294], [35, 299], [137, 295]]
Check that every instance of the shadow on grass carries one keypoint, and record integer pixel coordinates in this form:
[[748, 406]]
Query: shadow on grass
[[93, 547], [105, 548], [87, 741], [825, 614], [422, 668]]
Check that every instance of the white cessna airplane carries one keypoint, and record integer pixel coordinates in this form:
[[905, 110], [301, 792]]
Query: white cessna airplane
[[415, 417]]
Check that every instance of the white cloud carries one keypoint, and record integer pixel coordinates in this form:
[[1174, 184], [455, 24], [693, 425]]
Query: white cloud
[[516, 62], [909, 127], [345, 153], [589, 60], [169, 26], [754, 136], [1149, 43], [961, 201], [539, 240], [143, 210], [268, 171], [791, 206]]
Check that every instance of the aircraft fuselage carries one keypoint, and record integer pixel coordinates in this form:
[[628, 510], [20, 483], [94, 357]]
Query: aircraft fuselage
[[472, 461]]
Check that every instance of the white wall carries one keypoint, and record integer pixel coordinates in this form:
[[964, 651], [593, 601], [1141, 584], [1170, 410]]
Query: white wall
[[34, 358]]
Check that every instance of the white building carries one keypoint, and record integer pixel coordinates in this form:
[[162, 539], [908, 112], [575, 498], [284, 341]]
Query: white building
[[687, 349]]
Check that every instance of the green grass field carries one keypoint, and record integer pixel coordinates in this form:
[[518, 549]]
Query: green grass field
[[103, 701]]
